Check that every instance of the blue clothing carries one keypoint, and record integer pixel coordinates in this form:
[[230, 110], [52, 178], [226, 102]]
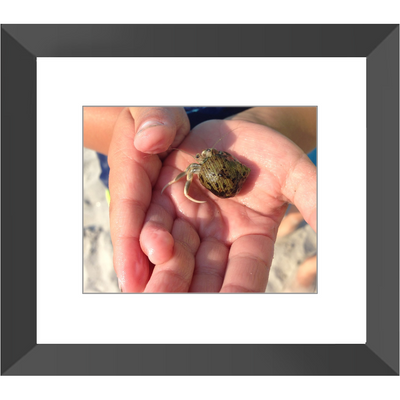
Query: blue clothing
[[105, 169], [198, 115], [313, 156]]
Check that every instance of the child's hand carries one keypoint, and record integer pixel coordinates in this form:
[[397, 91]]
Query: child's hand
[[141, 136]]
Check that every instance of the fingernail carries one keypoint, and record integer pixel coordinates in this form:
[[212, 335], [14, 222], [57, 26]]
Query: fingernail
[[148, 124]]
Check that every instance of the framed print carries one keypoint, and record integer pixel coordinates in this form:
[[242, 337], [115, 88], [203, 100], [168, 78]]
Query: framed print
[[43, 332]]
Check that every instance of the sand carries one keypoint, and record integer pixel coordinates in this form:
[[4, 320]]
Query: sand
[[99, 275]]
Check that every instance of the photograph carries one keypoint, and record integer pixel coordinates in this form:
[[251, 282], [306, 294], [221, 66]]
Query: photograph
[[201, 176], [200, 199]]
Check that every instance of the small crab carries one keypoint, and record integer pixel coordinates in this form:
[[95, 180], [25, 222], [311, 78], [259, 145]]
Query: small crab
[[218, 171]]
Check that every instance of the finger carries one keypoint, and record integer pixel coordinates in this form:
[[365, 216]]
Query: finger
[[211, 259], [159, 128], [301, 189], [132, 174], [249, 262], [156, 239], [176, 274]]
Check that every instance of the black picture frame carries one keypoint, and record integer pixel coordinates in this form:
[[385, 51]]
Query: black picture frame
[[20, 47]]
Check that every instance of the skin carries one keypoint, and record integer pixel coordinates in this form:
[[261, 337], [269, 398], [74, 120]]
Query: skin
[[165, 242]]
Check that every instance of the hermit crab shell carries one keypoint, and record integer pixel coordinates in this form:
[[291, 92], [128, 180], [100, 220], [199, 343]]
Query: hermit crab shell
[[221, 173]]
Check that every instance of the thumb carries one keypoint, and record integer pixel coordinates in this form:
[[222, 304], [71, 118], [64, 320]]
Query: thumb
[[158, 128]]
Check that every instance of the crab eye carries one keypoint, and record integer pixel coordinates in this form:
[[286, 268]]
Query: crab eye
[[197, 155]]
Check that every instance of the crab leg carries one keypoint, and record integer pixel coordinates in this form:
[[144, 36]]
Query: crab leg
[[181, 175], [189, 171], [189, 181]]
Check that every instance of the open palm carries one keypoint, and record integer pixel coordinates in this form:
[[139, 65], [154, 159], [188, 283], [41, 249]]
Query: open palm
[[225, 244]]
